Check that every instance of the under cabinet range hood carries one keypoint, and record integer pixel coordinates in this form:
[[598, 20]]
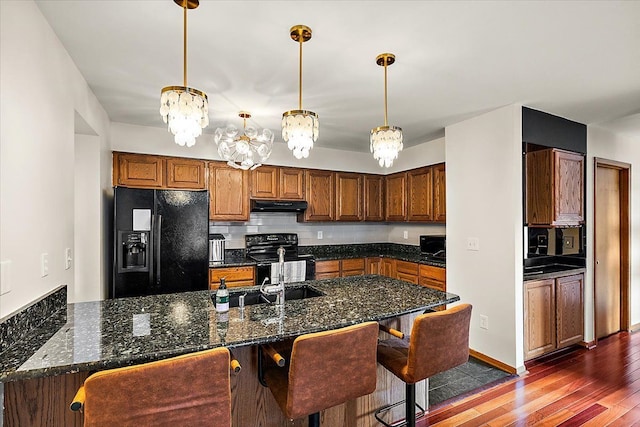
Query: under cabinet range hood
[[278, 205]]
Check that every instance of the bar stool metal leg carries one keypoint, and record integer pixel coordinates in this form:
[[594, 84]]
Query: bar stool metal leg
[[410, 405]]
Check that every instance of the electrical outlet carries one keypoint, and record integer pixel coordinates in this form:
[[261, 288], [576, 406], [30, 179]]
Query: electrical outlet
[[473, 244], [44, 265], [405, 234], [67, 258], [484, 322], [568, 242], [5, 277], [320, 237]]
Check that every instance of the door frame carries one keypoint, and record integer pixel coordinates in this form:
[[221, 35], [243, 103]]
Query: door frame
[[624, 170]]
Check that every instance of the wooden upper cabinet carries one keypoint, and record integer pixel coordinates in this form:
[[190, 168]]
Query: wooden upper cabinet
[[228, 193], [138, 170], [420, 199], [273, 182], [291, 184], [186, 173], [555, 187], [264, 182], [374, 197], [439, 193], [320, 191], [349, 200], [396, 197]]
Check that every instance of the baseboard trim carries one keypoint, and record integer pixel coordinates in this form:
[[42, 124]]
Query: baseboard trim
[[493, 362], [589, 345], [635, 328]]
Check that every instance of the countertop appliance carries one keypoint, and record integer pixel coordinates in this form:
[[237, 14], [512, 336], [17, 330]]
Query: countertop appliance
[[160, 241], [263, 248], [433, 248]]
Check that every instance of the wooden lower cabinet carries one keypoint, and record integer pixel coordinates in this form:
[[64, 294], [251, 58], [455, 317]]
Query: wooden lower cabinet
[[553, 314], [327, 269], [340, 268], [372, 265], [388, 267], [234, 276], [433, 277], [407, 271]]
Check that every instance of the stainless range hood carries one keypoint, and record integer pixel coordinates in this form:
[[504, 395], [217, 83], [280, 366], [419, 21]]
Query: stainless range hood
[[278, 205]]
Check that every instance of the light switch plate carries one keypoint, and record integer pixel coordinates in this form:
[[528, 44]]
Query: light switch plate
[[67, 258], [44, 265], [473, 244]]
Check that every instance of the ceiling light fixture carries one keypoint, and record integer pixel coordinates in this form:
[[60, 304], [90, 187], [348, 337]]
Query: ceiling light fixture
[[386, 141], [300, 127], [247, 151], [185, 109]]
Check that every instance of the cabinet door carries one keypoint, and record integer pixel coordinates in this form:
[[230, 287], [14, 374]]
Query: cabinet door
[[327, 269], [352, 267], [185, 173], [138, 170], [420, 199], [388, 267], [569, 184], [320, 196], [228, 193], [407, 271], [291, 184], [539, 318], [372, 265], [374, 198], [433, 277], [264, 182], [439, 193], [396, 197], [570, 309], [349, 198]]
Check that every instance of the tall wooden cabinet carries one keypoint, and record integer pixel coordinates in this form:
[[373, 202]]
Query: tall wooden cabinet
[[320, 191], [553, 314], [373, 197], [396, 197], [555, 188], [349, 197], [439, 193], [228, 193], [420, 198]]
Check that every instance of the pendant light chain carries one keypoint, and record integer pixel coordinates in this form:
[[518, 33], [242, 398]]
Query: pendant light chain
[[300, 73], [184, 44], [385, 93]]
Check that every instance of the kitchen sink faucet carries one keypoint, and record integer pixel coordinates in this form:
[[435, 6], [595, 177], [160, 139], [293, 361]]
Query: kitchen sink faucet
[[278, 288]]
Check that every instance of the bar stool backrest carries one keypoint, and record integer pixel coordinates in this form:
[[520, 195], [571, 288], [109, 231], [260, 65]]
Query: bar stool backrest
[[189, 390], [439, 341], [330, 368]]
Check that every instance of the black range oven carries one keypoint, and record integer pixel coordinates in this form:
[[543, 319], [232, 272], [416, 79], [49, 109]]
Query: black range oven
[[263, 249]]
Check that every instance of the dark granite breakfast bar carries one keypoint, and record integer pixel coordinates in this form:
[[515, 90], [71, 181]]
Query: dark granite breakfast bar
[[112, 333]]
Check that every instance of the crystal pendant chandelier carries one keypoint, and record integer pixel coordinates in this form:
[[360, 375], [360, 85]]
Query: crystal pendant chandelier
[[246, 151], [300, 127], [386, 141], [184, 109]]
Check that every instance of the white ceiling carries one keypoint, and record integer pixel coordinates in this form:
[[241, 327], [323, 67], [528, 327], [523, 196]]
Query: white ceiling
[[454, 60]]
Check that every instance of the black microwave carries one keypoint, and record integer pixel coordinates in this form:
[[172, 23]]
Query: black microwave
[[432, 244]]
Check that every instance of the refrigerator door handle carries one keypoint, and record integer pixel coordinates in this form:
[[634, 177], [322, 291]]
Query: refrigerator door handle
[[158, 240]]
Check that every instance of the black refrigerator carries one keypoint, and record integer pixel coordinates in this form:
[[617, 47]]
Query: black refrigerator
[[161, 241]]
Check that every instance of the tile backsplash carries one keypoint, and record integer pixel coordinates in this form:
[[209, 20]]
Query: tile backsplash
[[333, 233]]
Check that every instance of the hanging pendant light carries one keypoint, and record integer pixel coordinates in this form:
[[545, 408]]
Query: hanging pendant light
[[386, 141], [184, 109], [247, 151], [300, 127]]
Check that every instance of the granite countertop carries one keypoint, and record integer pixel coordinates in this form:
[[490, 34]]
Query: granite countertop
[[127, 331], [553, 275]]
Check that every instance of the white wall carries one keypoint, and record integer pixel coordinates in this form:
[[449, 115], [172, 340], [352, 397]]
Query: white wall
[[40, 90], [87, 236], [607, 145], [484, 200]]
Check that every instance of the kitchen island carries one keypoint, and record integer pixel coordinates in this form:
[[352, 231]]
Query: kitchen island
[[128, 331]]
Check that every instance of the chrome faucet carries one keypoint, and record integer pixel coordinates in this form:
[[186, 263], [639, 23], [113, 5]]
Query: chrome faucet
[[278, 288]]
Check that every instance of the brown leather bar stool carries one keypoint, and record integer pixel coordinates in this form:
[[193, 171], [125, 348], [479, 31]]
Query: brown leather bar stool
[[439, 341], [325, 370], [192, 389]]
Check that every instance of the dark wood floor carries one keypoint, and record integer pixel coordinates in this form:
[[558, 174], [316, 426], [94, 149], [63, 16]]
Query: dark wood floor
[[599, 387]]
